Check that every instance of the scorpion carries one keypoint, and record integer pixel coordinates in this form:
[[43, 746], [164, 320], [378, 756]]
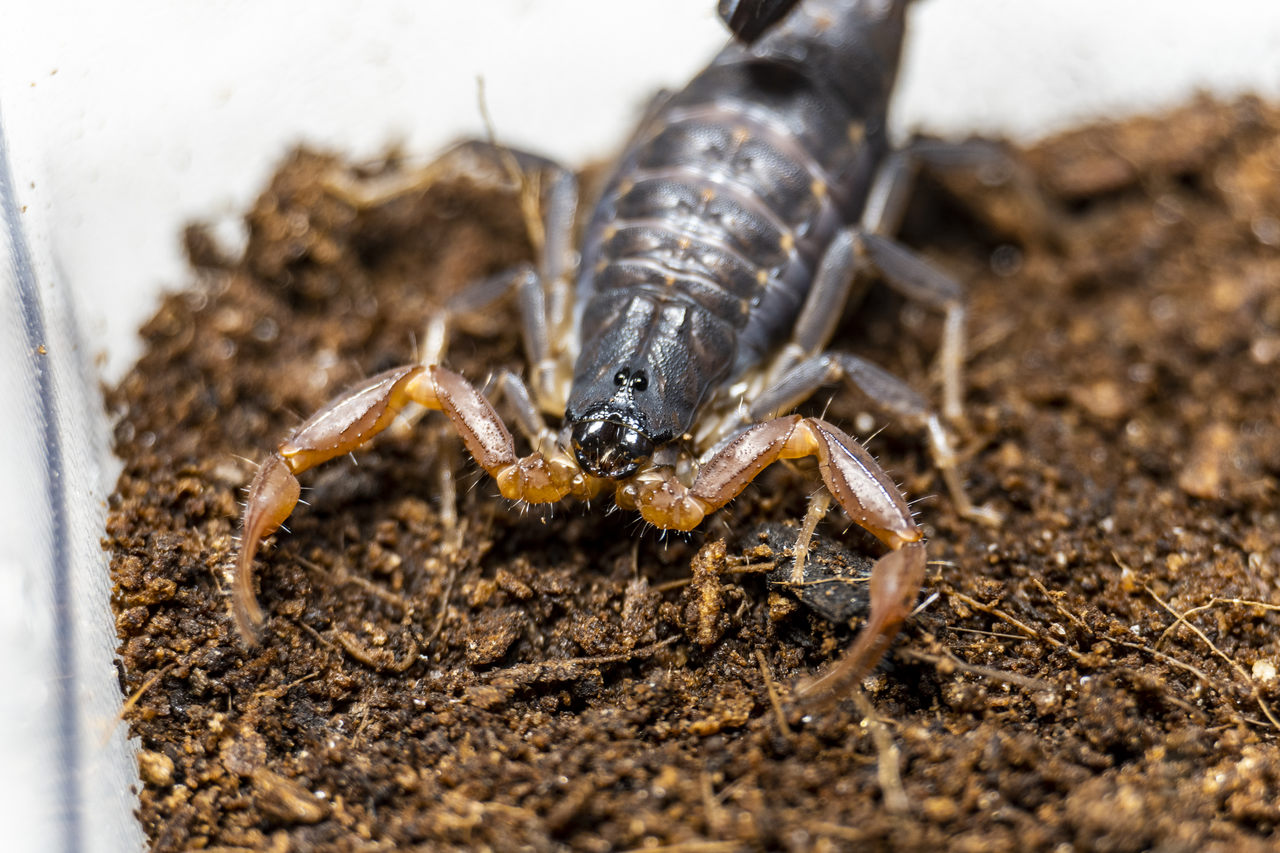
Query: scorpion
[[742, 217]]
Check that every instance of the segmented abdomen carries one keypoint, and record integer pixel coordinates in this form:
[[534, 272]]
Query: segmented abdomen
[[729, 196]]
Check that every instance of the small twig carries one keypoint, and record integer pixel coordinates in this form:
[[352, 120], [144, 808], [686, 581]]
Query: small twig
[[999, 634], [844, 833], [452, 547], [770, 687], [135, 697], [529, 192], [1000, 614], [1171, 660], [985, 672], [1244, 676], [692, 847], [1203, 676], [531, 671], [364, 721], [734, 786], [280, 690], [743, 569], [1213, 602], [711, 805], [320, 638], [793, 584], [379, 660], [888, 771], [340, 575], [1067, 614], [924, 605], [443, 612]]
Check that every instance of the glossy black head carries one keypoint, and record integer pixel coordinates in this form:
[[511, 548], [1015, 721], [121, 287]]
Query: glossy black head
[[645, 367], [610, 440]]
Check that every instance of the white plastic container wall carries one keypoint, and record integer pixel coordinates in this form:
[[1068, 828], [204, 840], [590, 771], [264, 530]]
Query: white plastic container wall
[[122, 121]]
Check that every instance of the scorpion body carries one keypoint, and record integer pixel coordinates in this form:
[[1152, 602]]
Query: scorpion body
[[713, 270], [700, 255]]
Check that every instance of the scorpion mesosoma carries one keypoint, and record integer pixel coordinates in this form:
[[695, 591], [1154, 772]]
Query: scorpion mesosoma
[[712, 273]]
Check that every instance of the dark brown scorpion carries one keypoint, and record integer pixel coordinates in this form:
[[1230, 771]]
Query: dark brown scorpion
[[735, 228]]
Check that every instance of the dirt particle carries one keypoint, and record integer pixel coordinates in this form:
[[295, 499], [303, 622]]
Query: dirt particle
[[285, 800], [156, 768], [1264, 670], [1104, 398], [1202, 476], [940, 809], [490, 636]]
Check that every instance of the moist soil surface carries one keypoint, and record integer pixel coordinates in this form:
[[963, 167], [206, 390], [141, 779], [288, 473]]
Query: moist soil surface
[[443, 669]]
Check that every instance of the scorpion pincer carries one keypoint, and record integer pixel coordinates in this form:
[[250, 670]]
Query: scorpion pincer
[[740, 220]]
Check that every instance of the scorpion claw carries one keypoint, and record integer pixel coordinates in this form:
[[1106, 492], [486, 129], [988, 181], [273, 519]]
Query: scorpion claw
[[895, 581], [272, 497]]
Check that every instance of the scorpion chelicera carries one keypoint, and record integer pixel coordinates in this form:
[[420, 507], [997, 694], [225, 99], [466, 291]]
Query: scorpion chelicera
[[740, 220]]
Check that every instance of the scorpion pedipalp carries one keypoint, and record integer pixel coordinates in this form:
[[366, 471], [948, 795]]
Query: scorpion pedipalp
[[351, 420], [862, 490]]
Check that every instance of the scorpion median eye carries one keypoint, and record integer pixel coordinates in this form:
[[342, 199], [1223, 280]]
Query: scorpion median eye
[[640, 381], [620, 378]]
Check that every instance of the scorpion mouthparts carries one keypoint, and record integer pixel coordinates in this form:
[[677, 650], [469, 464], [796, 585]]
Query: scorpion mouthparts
[[609, 448]]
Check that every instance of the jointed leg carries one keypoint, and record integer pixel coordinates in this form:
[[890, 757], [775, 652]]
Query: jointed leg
[[511, 388], [850, 255], [916, 279], [889, 394], [992, 163], [350, 420], [857, 483], [549, 201], [548, 195], [906, 271], [895, 582], [806, 369]]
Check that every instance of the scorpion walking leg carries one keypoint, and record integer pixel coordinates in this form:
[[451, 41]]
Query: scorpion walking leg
[[352, 419], [546, 303], [510, 387], [992, 163], [542, 317], [889, 394], [913, 277], [804, 370], [858, 484], [909, 274], [856, 251], [549, 200], [905, 271]]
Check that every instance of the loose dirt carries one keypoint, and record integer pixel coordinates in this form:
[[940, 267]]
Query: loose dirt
[[444, 670]]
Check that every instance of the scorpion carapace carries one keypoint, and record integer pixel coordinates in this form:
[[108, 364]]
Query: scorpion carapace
[[656, 359], [713, 270]]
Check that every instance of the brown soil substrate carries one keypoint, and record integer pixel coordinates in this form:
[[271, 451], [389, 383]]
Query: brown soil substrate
[[1090, 675]]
